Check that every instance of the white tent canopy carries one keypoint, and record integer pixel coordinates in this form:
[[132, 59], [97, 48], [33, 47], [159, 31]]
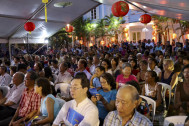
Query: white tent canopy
[[178, 9], [15, 13]]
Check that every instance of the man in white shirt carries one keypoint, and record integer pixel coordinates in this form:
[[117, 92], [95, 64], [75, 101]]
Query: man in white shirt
[[80, 103], [63, 76], [54, 68], [152, 66], [82, 64], [150, 46], [5, 78], [96, 62], [9, 104]]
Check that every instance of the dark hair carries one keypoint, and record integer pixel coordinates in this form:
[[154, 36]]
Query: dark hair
[[54, 61], [7, 63], [110, 80], [33, 75], [154, 75], [83, 77], [124, 60], [45, 84], [116, 60], [48, 72], [108, 63], [101, 68], [154, 60], [135, 67], [40, 66], [4, 68], [21, 66], [17, 58], [177, 67], [186, 58], [135, 84], [144, 62], [84, 62], [185, 67], [13, 68]]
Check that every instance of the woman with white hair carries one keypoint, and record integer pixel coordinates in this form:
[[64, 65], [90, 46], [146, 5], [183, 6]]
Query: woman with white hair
[[167, 75]]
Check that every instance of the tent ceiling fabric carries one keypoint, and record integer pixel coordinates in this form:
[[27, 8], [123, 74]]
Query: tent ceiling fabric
[[170, 8], [15, 13]]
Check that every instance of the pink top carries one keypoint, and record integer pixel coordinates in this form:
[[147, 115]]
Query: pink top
[[122, 81]]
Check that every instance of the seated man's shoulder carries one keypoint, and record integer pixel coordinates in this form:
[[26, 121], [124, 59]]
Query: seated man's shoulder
[[143, 119]]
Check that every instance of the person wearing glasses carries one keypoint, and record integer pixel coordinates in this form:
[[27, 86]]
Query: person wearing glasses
[[80, 103], [127, 100], [105, 99], [29, 103]]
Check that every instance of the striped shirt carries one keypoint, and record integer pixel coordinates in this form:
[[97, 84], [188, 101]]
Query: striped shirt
[[30, 101], [113, 119]]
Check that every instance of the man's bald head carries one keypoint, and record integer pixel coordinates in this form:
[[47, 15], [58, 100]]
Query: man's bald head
[[18, 78], [129, 91]]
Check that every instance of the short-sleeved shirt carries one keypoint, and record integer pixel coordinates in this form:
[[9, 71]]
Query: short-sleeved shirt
[[96, 82], [122, 81], [30, 101], [108, 96], [14, 95], [86, 108], [113, 119], [5, 80]]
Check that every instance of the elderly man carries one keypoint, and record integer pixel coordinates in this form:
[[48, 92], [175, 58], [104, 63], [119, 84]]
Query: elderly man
[[127, 99], [80, 103], [10, 103], [29, 103], [96, 62], [82, 64], [64, 76]]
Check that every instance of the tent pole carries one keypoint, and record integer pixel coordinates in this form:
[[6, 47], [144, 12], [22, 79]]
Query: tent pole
[[27, 45], [10, 55]]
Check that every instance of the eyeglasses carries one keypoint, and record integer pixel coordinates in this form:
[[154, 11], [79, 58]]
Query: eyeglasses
[[75, 88], [103, 82]]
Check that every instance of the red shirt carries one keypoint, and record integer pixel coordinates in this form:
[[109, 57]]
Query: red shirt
[[29, 102]]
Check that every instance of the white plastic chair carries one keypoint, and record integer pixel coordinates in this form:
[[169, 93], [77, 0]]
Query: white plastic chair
[[165, 87], [64, 89], [5, 90], [152, 102], [176, 120]]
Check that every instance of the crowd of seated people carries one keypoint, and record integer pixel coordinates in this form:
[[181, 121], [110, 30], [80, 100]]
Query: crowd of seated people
[[44, 90]]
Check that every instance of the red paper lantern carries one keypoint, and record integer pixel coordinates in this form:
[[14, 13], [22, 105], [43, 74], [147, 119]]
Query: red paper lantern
[[69, 28], [120, 9], [146, 18], [29, 26]]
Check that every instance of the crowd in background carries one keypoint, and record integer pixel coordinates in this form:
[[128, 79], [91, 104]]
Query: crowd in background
[[120, 73]]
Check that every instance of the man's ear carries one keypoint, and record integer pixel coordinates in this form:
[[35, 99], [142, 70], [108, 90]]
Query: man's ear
[[138, 101], [86, 89]]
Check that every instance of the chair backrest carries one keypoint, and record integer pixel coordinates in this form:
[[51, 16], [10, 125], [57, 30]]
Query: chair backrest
[[61, 102], [5, 90], [64, 89], [165, 87], [176, 120], [152, 102]]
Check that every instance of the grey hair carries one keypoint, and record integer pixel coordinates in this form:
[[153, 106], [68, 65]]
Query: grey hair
[[126, 65], [21, 75], [134, 93]]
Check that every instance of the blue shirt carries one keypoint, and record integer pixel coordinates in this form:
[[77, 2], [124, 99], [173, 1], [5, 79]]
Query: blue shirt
[[44, 108], [108, 96], [96, 82]]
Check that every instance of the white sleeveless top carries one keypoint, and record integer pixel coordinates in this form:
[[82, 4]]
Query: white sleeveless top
[[149, 92]]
